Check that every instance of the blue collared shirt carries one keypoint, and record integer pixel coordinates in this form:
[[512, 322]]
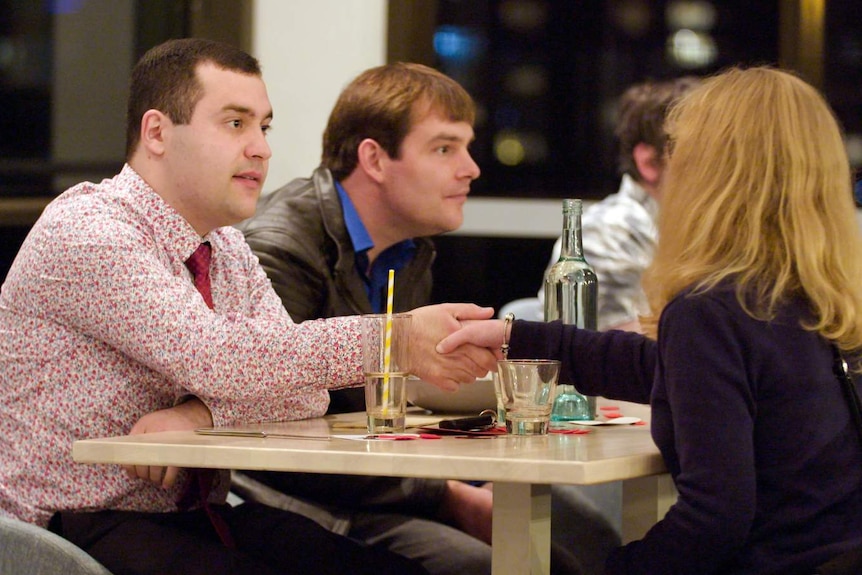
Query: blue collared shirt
[[394, 257]]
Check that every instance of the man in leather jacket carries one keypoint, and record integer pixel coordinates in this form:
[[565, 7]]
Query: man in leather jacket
[[395, 169]]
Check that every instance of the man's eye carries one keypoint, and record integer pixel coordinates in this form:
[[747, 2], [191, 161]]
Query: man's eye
[[265, 129], [443, 150], [236, 123]]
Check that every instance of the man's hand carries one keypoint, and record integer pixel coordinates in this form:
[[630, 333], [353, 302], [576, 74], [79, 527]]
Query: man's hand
[[185, 416], [431, 324], [469, 508]]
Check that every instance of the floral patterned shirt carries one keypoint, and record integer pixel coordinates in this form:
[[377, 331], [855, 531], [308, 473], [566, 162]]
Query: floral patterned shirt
[[100, 324]]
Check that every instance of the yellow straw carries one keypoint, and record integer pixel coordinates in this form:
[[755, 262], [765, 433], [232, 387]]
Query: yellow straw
[[387, 341]]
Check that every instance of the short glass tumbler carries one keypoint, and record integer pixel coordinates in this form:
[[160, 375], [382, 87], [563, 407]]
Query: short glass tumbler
[[527, 388]]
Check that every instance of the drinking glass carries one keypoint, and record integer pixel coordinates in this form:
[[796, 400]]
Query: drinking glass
[[527, 388], [385, 377]]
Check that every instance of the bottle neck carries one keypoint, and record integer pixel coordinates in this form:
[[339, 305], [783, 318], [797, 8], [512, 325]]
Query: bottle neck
[[573, 244]]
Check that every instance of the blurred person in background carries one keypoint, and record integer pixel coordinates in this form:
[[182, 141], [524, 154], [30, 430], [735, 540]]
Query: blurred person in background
[[619, 232]]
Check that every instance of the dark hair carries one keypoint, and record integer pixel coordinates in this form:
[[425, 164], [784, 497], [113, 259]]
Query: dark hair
[[165, 79], [382, 103], [641, 114]]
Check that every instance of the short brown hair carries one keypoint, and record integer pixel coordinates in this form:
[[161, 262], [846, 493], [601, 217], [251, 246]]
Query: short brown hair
[[641, 114], [165, 79], [382, 103]]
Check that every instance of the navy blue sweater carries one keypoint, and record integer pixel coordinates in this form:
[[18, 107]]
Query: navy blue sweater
[[751, 422]]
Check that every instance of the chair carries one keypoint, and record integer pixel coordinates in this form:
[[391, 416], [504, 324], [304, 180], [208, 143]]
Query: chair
[[32, 550], [530, 308]]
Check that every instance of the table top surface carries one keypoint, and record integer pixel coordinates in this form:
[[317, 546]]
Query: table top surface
[[606, 453]]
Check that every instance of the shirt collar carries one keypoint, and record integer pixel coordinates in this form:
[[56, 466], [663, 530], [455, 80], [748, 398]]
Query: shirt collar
[[355, 228], [394, 257], [629, 187], [174, 231]]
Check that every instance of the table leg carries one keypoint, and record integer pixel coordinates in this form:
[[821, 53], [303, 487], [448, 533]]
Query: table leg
[[521, 529], [645, 501]]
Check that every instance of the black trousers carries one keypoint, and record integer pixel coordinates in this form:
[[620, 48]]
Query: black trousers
[[268, 541]]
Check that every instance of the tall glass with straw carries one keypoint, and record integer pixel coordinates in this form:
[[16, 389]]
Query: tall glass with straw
[[387, 340], [384, 340]]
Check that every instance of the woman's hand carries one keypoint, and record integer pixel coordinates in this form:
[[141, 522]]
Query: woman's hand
[[429, 325], [488, 334]]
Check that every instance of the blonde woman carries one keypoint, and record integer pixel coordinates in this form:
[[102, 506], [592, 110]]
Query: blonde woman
[[757, 278]]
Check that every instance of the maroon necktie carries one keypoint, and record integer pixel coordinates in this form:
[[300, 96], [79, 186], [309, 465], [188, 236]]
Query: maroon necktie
[[199, 264], [201, 480]]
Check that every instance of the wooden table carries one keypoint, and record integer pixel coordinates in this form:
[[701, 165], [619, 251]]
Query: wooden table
[[522, 469]]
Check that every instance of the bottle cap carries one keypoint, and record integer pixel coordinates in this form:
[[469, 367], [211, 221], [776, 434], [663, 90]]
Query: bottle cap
[[572, 205]]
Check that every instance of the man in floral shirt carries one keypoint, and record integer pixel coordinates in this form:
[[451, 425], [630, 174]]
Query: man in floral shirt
[[105, 333]]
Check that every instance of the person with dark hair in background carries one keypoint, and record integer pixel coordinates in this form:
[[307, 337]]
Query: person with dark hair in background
[[619, 232]]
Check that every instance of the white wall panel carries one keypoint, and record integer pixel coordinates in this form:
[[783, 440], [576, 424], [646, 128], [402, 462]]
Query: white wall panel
[[309, 50]]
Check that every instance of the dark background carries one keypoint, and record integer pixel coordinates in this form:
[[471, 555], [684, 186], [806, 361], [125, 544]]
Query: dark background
[[545, 75]]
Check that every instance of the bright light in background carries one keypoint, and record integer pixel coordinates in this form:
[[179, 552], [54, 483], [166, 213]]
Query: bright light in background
[[457, 44], [690, 45], [508, 149], [512, 148], [694, 15], [691, 50]]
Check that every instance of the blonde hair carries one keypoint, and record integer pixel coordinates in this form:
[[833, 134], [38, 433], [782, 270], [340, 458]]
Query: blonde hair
[[758, 191]]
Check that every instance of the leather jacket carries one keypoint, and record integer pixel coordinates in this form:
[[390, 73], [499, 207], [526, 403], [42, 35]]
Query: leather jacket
[[300, 237]]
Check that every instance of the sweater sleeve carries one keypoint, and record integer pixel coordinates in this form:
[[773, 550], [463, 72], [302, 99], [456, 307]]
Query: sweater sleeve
[[614, 364], [705, 429]]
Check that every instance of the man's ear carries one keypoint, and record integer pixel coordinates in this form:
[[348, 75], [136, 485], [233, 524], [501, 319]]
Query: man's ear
[[372, 159], [155, 128], [649, 163]]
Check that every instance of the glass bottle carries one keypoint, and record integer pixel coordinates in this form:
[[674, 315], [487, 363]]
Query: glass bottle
[[571, 295], [569, 405]]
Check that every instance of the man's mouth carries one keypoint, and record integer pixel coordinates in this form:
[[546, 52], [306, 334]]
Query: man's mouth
[[249, 176]]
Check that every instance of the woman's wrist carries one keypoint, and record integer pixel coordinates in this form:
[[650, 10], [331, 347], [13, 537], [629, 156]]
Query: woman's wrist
[[507, 333]]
